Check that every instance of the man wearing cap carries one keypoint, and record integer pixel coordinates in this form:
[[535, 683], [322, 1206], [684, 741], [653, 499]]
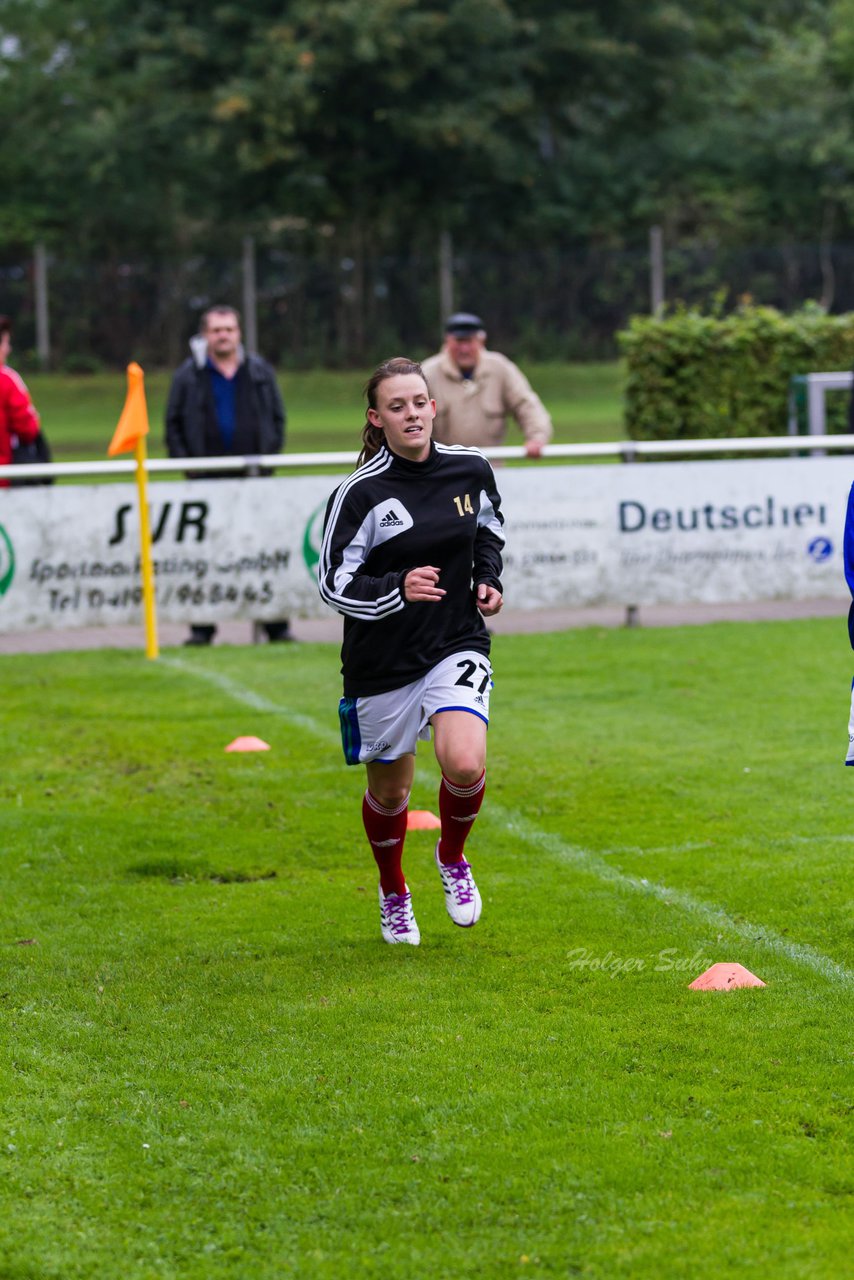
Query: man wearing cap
[[475, 390]]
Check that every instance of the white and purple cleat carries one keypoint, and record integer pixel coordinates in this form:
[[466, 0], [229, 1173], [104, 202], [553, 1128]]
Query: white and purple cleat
[[397, 920], [462, 898]]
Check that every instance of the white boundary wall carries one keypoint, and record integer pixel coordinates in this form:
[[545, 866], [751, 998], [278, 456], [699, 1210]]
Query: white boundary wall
[[658, 533]]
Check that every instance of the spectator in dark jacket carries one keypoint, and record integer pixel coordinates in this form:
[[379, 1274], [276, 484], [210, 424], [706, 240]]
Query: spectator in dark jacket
[[224, 401]]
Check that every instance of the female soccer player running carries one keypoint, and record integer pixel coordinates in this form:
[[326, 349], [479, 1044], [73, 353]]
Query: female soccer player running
[[411, 556]]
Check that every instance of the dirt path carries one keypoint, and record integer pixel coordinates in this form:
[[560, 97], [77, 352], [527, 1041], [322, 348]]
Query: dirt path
[[511, 622]]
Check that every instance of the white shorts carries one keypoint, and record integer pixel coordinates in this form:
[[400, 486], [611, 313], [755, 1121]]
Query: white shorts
[[385, 726]]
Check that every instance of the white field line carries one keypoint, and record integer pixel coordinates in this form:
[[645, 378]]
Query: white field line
[[560, 851], [838, 839], [256, 701], [710, 915], [697, 846]]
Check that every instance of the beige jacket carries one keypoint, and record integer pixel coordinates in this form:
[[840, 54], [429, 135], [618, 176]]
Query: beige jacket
[[474, 411]]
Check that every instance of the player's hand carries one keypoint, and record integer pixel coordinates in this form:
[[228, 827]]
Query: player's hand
[[533, 449], [489, 599], [423, 585]]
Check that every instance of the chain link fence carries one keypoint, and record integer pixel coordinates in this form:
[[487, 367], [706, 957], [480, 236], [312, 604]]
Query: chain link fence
[[326, 308]]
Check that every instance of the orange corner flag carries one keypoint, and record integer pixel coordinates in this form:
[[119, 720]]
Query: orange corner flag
[[133, 424]]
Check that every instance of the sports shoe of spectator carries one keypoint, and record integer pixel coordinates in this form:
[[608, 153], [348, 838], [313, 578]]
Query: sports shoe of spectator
[[201, 635], [279, 632], [461, 894], [397, 920]]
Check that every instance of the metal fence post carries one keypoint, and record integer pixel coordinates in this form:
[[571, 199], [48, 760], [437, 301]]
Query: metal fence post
[[656, 270], [250, 295], [41, 299], [628, 455], [446, 277]]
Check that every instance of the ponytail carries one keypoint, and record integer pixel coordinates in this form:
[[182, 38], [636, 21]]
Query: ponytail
[[372, 439]]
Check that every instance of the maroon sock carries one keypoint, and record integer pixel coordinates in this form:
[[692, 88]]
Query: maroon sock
[[458, 808], [386, 830]]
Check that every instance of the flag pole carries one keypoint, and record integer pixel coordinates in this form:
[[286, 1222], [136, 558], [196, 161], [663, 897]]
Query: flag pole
[[129, 436], [152, 649]]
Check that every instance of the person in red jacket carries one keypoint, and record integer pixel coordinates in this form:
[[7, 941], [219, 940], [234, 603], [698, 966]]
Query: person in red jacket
[[18, 417]]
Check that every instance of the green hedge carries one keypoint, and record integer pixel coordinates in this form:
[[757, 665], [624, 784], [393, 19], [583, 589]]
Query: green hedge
[[692, 375]]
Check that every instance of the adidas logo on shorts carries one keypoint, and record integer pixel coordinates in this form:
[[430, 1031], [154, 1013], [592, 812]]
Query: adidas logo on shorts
[[390, 520]]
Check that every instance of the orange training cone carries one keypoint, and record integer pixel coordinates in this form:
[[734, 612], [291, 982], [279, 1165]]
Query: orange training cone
[[422, 820], [248, 744], [725, 977]]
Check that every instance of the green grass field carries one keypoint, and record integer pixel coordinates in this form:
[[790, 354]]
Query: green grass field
[[325, 409], [213, 1067]]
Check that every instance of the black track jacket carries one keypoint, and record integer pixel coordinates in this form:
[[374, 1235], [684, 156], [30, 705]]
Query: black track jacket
[[191, 426], [393, 515]]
